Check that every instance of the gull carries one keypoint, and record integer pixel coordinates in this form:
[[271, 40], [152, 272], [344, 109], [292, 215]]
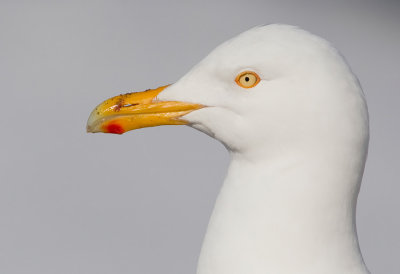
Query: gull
[[294, 118]]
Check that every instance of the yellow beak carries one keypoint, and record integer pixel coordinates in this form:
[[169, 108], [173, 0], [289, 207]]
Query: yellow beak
[[131, 111]]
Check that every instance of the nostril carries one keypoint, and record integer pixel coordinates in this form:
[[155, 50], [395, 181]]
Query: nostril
[[130, 105], [120, 104]]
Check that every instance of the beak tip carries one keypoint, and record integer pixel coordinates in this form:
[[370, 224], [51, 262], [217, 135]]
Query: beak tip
[[113, 128], [90, 129]]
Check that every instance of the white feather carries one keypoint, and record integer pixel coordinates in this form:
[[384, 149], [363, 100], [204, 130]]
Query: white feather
[[298, 142]]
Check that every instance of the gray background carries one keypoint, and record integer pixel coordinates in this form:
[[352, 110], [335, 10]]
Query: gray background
[[72, 202]]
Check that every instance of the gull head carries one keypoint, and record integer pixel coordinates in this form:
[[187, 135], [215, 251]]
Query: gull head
[[269, 89]]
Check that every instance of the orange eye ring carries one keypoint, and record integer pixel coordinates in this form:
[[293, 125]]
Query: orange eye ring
[[247, 79]]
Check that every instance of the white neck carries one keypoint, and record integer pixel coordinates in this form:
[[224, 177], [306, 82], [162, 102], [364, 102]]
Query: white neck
[[292, 214]]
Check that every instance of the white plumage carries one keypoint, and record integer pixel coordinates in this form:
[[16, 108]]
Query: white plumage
[[298, 142]]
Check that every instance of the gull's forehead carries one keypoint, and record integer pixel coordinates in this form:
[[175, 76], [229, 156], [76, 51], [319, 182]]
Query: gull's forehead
[[271, 41], [272, 50]]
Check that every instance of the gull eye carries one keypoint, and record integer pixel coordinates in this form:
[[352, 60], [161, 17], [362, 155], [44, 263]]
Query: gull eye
[[247, 79]]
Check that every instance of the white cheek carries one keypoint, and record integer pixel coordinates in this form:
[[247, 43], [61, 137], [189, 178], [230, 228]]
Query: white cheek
[[196, 120], [219, 123]]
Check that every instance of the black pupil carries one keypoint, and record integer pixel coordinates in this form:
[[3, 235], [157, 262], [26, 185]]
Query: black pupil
[[247, 78]]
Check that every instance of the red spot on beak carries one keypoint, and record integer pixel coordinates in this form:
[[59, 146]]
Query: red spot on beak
[[114, 128]]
